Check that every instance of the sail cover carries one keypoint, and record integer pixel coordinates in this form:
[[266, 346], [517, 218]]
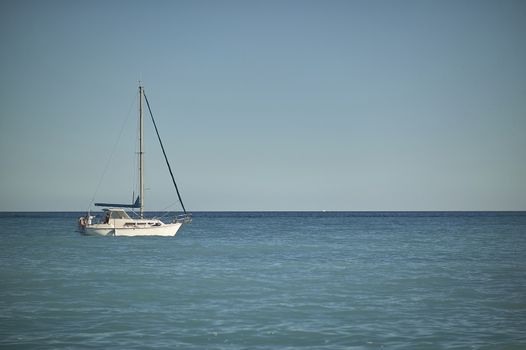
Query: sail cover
[[137, 204]]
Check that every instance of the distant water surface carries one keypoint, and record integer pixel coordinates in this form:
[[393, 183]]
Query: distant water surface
[[270, 280]]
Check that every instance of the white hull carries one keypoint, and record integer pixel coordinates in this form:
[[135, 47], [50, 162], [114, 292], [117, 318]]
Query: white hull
[[120, 230]]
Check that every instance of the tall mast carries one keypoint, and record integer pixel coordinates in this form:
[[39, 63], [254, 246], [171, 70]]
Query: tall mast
[[141, 151]]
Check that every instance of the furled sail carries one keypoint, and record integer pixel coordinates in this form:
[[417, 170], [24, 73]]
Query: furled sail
[[137, 204]]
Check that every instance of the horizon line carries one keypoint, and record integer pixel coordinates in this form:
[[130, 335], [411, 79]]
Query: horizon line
[[289, 211]]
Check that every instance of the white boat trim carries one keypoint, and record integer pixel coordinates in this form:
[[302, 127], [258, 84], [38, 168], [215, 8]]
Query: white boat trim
[[116, 222]]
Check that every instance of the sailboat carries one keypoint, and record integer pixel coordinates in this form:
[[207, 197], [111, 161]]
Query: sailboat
[[115, 220]]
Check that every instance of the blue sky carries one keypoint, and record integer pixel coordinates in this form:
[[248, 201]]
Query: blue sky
[[266, 105]]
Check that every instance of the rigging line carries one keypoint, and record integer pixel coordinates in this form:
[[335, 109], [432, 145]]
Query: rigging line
[[112, 153], [165, 211], [164, 153]]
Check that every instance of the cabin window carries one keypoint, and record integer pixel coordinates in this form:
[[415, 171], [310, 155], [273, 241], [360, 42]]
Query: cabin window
[[119, 215]]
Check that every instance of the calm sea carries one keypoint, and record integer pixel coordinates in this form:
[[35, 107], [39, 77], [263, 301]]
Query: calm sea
[[272, 280]]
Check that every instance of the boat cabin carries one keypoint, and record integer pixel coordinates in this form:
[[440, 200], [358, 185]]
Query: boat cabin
[[114, 213], [117, 213]]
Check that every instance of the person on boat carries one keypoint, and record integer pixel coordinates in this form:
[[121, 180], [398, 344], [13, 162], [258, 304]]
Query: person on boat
[[106, 218]]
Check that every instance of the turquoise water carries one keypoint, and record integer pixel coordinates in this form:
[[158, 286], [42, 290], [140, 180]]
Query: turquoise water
[[268, 281]]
